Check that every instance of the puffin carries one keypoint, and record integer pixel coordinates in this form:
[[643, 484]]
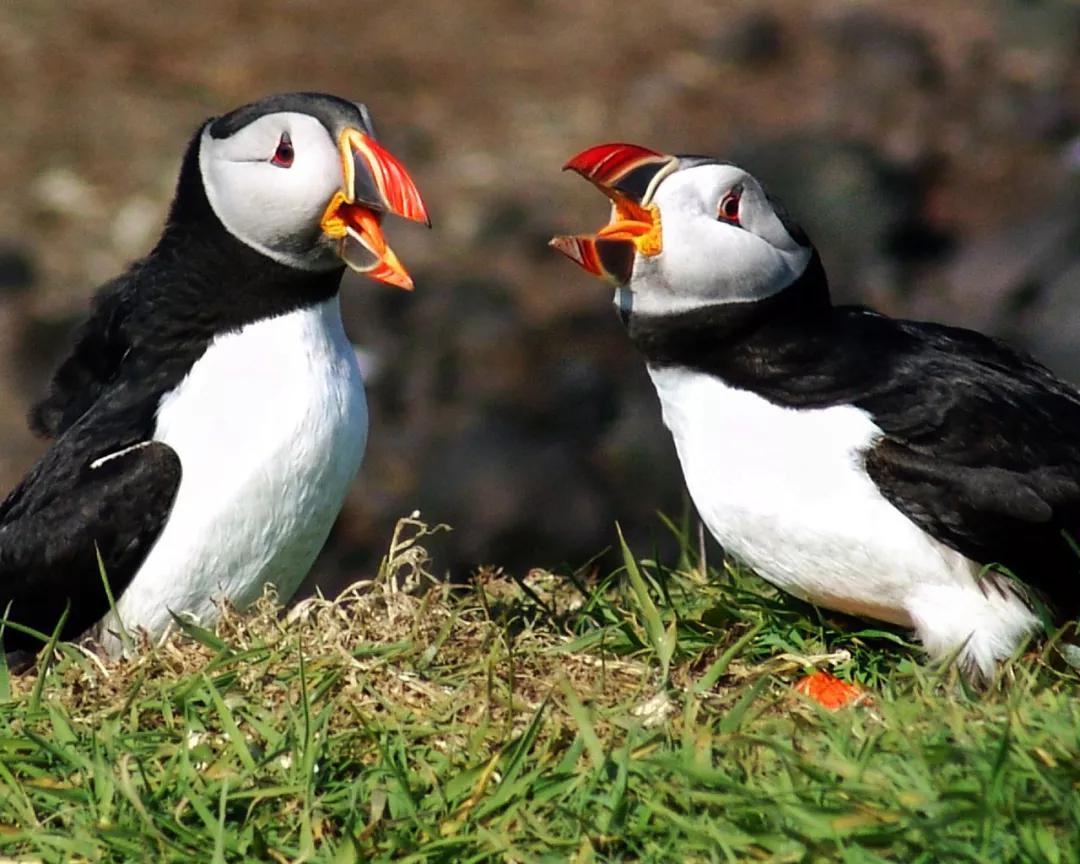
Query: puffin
[[910, 472], [210, 415]]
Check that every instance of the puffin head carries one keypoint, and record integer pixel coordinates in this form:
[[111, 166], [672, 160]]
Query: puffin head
[[685, 232], [300, 178]]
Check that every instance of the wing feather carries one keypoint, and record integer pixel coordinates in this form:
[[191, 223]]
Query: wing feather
[[48, 556]]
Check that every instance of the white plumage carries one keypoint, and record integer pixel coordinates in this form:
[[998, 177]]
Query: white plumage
[[270, 426]]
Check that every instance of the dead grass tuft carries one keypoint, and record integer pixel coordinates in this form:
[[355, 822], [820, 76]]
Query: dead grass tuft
[[459, 658]]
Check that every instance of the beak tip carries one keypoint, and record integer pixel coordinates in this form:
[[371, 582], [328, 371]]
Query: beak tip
[[415, 211], [580, 250], [387, 276]]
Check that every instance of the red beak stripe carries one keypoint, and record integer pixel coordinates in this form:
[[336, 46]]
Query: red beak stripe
[[605, 164], [393, 182]]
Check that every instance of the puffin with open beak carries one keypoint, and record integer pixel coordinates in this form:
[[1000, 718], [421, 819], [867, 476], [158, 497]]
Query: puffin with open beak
[[923, 475], [211, 415]]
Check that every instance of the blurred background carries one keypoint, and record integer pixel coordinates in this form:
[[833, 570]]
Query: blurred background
[[931, 149]]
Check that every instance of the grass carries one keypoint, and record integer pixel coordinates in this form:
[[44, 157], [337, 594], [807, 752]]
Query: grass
[[647, 716]]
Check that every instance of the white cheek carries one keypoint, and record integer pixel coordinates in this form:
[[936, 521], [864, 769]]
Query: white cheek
[[704, 262], [270, 204]]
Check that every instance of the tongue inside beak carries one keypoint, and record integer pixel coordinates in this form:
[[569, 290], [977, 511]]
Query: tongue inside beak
[[631, 221], [374, 183]]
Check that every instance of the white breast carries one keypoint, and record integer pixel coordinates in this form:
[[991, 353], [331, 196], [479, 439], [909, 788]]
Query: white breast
[[270, 426], [785, 491]]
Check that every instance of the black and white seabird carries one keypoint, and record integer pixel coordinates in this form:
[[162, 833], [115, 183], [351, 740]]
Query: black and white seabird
[[915, 473], [211, 414]]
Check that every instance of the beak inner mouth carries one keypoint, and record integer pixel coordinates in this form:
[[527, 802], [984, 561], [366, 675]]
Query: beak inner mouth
[[640, 224], [634, 229], [636, 224]]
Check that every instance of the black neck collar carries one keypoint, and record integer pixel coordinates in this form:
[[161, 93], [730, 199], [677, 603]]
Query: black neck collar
[[714, 338]]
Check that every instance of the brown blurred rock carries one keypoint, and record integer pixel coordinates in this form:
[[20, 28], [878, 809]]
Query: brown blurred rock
[[754, 39]]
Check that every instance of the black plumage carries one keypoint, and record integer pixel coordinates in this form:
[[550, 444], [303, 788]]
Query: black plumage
[[981, 444]]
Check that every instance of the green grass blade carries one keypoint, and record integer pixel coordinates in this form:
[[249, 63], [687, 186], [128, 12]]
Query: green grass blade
[[662, 640], [585, 729], [126, 641], [228, 724], [200, 634], [218, 856], [46, 658]]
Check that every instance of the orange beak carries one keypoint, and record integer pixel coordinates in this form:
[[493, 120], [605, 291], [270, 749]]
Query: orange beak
[[628, 175], [373, 183]]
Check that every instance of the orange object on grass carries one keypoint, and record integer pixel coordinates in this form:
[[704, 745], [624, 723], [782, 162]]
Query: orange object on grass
[[829, 691]]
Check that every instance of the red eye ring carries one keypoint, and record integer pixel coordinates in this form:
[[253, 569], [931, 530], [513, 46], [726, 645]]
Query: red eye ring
[[284, 154], [728, 211]]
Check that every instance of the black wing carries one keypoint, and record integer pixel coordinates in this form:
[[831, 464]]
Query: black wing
[[100, 347], [53, 529], [982, 451]]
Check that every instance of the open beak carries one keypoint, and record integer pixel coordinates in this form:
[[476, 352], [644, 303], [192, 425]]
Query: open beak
[[628, 175], [373, 183]]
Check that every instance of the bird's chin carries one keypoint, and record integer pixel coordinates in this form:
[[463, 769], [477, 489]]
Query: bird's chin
[[324, 257], [316, 255]]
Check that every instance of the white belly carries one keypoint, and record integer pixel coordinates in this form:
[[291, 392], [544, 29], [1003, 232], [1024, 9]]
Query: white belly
[[785, 491], [270, 426]]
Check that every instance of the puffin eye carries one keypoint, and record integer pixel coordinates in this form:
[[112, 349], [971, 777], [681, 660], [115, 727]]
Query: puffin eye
[[728, 211], [283, 156]]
